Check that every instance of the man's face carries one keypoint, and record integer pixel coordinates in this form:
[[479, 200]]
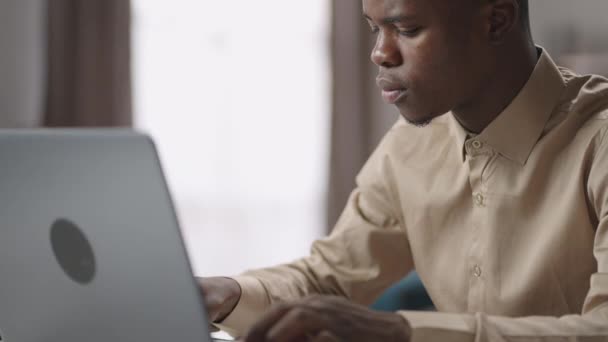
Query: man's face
[[431, 54]]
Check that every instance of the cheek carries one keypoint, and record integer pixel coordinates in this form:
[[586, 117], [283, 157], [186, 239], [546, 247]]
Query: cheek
[[435, 90], [426, 57], [416, 66], [429, 69], [435, 71]]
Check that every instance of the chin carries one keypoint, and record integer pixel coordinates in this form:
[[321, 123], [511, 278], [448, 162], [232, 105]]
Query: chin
[[414, 118]]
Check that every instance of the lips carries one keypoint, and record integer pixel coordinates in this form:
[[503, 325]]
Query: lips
[[392, 91], [393, 96]]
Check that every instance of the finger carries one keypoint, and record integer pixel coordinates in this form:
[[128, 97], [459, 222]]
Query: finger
[[298, 323], [259, 330], [325, 336], [213, 307]]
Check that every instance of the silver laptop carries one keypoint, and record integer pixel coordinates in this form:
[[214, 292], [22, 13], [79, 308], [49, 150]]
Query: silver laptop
[[90, 248]]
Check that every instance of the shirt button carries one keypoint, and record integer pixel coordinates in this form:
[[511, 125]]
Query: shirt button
[[476, 144], [479, 199], [477, 271]]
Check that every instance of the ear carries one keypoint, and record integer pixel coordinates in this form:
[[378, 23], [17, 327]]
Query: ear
[[503, 17]]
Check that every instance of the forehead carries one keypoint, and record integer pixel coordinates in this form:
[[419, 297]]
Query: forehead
[[445, 11], [383, 8]]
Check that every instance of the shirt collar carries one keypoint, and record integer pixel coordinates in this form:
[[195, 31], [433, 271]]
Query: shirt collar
[[459, 133], [516, 130]]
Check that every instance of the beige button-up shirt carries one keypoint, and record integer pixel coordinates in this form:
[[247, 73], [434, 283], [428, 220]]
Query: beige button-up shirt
[[508, 230]]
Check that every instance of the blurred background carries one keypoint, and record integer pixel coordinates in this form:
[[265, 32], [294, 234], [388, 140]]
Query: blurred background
[[263, 111]]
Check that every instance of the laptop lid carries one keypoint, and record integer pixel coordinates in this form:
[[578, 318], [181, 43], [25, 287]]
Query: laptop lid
[[90, 248]]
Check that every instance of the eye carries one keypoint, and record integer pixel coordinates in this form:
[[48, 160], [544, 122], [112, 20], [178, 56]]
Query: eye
[[412, 32], [374, 29]]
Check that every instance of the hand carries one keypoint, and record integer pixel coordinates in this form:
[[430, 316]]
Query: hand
[[221, 296], [324, 318]]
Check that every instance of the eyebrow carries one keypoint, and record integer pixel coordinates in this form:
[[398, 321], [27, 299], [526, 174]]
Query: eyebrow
[[392, 20]]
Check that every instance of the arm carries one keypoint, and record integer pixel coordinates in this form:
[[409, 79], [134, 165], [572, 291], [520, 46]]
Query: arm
[[367, 251]]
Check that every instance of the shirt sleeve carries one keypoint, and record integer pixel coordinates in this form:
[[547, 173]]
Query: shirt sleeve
[[590, 326], [366, 252]]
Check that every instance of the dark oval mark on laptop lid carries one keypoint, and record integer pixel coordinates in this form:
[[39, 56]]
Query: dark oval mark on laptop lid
[[73, 251]]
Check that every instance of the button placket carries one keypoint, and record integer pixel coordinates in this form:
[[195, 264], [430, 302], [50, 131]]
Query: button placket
[[479, 199], [480, 155], [477, 271], [474, 269], [476, 144], [474, 148]]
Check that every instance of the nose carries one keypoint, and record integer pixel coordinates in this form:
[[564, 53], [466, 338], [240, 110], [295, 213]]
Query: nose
[[386, 51]]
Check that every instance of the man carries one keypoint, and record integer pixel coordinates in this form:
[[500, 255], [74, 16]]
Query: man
[[493, 186]]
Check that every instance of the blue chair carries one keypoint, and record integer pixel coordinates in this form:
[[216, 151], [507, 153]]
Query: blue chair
[[406, 294]]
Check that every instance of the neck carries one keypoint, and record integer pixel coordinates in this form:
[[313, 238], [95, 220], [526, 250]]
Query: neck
[[515, 64]]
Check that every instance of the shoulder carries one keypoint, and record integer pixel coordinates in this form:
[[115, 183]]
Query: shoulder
[[585, 95], [584, 104]]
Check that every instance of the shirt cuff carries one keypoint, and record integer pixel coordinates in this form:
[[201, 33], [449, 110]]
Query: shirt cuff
[[435, 326], [253, 302]]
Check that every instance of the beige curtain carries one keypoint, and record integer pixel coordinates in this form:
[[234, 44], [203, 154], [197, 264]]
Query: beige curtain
[[359, 117], [89, 73]]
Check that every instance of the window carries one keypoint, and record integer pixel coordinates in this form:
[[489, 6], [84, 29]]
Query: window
[[236, 96]]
